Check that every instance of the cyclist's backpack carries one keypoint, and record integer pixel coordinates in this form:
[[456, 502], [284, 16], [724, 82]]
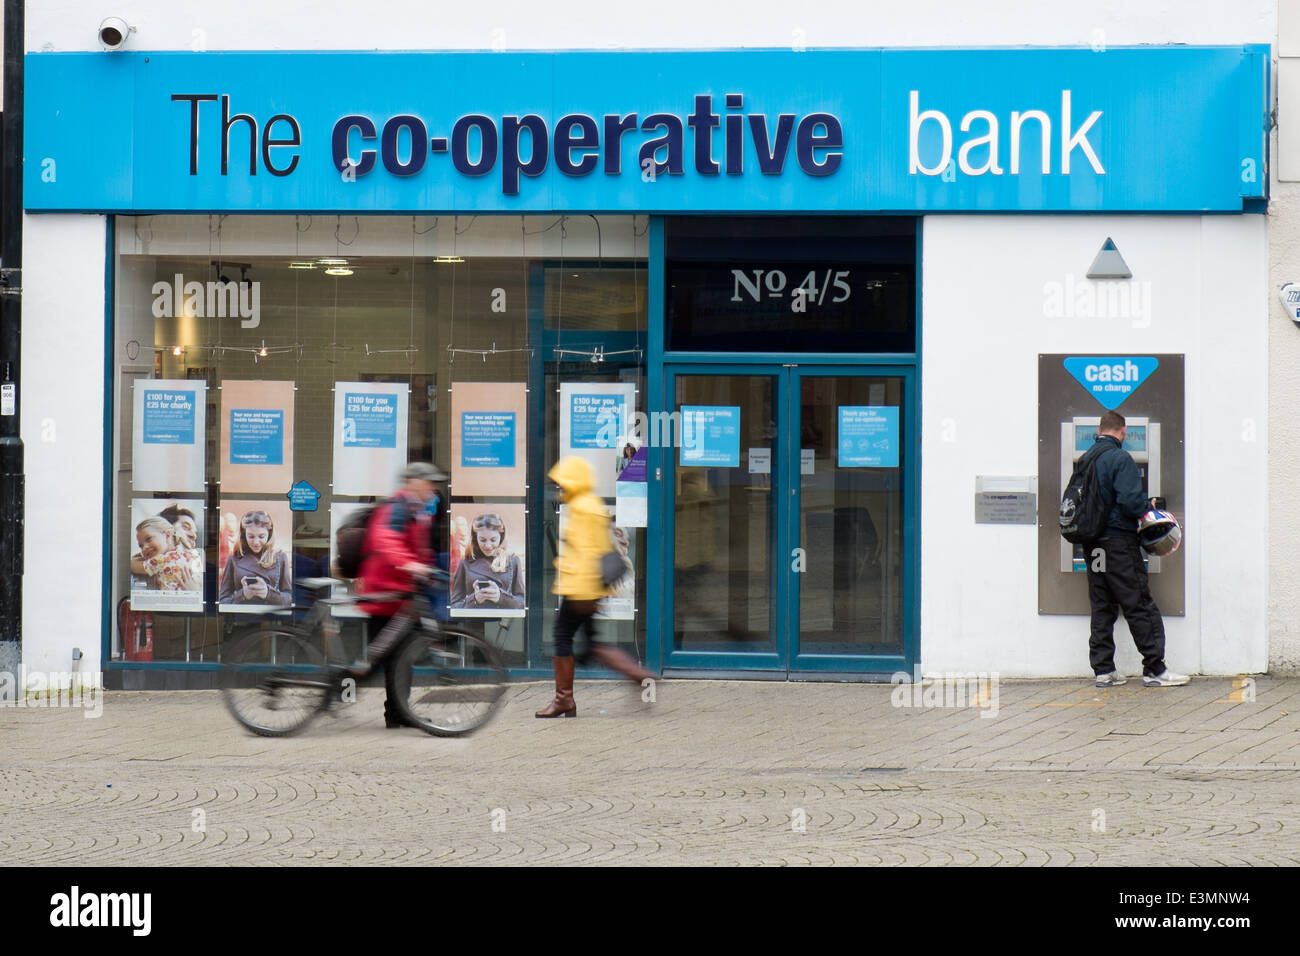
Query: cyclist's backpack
[[1083, 507], [350, 542]]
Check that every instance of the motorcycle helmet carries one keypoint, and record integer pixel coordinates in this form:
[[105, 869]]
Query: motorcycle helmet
[[1159, 533]]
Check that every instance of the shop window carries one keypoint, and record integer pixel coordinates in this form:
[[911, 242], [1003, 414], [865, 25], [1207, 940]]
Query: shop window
[[242, 344]]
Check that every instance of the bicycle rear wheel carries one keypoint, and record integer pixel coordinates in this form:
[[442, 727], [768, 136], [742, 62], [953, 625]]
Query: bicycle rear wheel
[[450, 682], [275, 680]]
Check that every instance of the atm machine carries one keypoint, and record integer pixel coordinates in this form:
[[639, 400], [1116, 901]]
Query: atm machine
[[1141, 440]]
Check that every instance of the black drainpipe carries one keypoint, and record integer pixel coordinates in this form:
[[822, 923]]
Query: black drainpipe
[[11, 286]]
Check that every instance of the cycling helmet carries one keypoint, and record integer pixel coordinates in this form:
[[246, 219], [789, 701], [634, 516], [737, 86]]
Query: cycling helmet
[[1159, 533]]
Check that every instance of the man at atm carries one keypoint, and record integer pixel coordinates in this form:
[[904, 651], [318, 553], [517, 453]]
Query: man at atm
[[1119, 580]]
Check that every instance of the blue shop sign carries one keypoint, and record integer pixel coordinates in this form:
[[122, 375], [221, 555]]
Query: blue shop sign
[[1131, 129]]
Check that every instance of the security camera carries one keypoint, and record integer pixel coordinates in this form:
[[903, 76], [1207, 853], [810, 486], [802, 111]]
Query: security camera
[[1290, 295], [113, 33]]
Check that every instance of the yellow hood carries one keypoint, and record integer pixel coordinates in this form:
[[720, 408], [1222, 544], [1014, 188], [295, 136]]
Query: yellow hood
[[574, 475]]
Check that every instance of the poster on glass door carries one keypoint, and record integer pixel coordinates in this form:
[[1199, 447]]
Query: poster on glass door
[[166, 554], [488, 438], [256, 436], [596, 426], [169, 420], [370, 432]]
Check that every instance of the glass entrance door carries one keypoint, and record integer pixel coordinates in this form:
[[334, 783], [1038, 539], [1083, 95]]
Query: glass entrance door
[[789, 537]]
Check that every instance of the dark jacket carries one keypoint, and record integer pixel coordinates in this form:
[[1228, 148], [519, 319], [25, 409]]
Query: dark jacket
[[1121, 487]]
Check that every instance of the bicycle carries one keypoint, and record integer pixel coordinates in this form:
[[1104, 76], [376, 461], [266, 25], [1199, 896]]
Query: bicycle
[[278, 677]]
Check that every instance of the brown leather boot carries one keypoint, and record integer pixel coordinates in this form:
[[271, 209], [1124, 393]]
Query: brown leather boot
[[563, 705], [618, 660]]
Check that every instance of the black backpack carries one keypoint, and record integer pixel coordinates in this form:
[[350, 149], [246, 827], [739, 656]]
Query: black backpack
[[350, 542], [1083, 507]]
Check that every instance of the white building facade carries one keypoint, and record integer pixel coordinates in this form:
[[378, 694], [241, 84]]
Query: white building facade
[[864, 487]]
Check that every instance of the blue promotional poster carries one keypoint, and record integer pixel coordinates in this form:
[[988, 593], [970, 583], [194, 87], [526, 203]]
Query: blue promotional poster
[[868, 436], [256, 436], [170, 419], [710, 436], [596, 426], [487, 439], [371, 421], [489, 428]]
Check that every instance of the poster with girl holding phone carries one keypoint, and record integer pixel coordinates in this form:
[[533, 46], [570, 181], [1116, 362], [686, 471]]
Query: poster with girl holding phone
[[489, 576], [257, 574]]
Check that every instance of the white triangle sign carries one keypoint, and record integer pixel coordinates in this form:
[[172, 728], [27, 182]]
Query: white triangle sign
[[1109, 264]]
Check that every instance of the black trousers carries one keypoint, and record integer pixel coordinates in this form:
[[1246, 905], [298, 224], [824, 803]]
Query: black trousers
[[573, 617], [384, 635], [1119, 582]]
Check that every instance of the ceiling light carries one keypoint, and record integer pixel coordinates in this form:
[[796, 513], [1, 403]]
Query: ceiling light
[[448, 259], [338, 271], [302, 265], [331, 261]]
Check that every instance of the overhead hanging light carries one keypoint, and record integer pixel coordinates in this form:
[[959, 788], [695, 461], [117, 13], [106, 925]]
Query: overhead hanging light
[[447, 259], [302, 265], [338, 271], [331, 261]]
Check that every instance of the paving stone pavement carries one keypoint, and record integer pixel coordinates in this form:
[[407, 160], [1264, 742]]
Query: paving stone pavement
[[712, 772]]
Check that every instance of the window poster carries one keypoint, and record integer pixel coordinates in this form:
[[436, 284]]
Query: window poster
[[488, 544], [632, 492], [710, 436], [868, 436], [256, 436], [370, 436], [168, 435], [488, 434], [254, 560], [167, 563], [596, 425], [620, 604]]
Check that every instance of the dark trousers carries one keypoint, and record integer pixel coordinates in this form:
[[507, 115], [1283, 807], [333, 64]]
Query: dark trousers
[[573, 617], [1121, 584], [384, 635]]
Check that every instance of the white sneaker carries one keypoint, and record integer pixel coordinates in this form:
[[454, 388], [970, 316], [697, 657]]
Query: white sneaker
[[1113, 679], [1166, 679]]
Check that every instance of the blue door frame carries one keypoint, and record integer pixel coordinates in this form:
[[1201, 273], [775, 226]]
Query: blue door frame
[[786, 657]]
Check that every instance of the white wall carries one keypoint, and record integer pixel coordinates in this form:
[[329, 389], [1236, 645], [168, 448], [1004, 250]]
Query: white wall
[[63, 430], [672, 24], [984, 322], [1284, 357]]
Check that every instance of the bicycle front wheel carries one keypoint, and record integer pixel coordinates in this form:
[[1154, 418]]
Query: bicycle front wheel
[[451, 683], [275, 680]]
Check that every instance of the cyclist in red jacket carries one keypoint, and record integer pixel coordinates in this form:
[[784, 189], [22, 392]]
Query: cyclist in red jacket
[[403, 537]]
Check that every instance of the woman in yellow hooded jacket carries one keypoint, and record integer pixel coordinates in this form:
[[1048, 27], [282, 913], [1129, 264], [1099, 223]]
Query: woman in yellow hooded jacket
[[578, 582]]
